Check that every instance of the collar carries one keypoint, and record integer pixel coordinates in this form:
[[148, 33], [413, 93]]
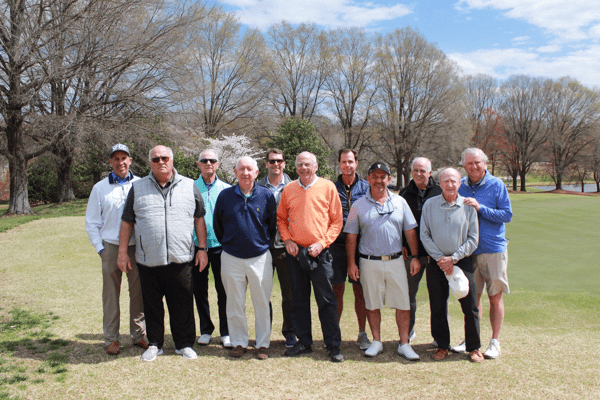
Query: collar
[[341, 180], [282, 183], [113, 178], [478, 184], [309, 185], [460, 201], [239, 191]]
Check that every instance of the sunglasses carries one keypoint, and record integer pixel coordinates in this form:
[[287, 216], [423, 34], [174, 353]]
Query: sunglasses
[[211, 160], [164, 159], [276, 161]]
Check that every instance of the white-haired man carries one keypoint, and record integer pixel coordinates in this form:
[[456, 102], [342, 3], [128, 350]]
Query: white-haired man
[[165, 208], [309, 219], [245, 221], [449, 232], [489, 196], [210, 186]]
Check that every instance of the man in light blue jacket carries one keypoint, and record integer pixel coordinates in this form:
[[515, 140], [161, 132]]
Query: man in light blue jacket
[[210, 186]]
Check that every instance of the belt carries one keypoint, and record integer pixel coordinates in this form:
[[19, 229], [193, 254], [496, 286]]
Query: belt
[[382, 258]]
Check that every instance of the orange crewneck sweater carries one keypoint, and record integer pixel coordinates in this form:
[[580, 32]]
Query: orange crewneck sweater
[[310, 216]]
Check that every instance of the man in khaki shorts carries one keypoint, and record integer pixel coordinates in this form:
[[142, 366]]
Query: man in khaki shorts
[[488, 195], [380, 217]]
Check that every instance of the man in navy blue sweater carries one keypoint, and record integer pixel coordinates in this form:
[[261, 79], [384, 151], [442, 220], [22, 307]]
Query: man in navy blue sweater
[[488, 195], [244, 221]]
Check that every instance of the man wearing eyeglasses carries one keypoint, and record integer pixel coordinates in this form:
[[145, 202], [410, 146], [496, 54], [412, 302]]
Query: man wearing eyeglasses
[[275, 181], [380, 217], [210, 186], [165, 208], [309, 219]]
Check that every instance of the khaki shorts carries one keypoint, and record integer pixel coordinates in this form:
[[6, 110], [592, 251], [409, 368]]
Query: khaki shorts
[[490, 271], [381, 278]]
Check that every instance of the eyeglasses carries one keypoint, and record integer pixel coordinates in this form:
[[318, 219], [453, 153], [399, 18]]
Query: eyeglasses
[[211, 160], [276, 161], [164, 159]]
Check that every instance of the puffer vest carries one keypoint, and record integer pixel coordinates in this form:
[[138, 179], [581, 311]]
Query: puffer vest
[[164, 224]]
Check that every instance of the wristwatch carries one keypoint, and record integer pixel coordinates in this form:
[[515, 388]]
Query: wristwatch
[[203, 249]]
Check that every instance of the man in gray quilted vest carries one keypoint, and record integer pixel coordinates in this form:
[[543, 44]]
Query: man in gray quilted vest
[[165, 208]]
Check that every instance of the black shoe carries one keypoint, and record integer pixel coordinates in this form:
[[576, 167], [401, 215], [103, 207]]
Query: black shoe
[[335, 355], [298, 349]]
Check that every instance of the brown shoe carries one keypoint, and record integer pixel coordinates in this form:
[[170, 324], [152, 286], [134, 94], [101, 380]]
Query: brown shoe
[[237, 352], [476, 356], [113, 349], [143, 343], [263, 353], [440, 354]]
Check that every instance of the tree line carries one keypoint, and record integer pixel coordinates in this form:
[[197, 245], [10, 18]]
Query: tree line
[[79, 75]]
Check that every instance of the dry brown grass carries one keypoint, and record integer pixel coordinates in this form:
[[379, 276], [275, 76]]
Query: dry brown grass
[[48, 265]]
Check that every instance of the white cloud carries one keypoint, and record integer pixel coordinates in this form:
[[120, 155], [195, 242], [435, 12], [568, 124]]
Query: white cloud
[[566, 19], [333, 13], [581, 64], [553, 48], [520, 40]]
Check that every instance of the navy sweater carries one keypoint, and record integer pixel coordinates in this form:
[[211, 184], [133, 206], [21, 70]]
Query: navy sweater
[[244, 225]]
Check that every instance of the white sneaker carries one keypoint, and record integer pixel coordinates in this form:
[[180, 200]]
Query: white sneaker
[[412, 337], [187, 352], [363, 341], [226, 342], [204, 339], [407, 352], [461, 348], [151, 353], [374, 349], [493, 351]]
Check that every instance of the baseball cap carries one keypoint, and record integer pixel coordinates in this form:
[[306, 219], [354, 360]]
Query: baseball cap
[[379, 165], [119, 147]]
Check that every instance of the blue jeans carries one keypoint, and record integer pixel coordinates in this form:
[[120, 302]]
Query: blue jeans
[[324, 295]]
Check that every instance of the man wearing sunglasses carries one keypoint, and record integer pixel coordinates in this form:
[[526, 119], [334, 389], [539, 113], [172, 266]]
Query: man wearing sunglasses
[[210, 186], [275, 181], [380, 217], [165, 208]]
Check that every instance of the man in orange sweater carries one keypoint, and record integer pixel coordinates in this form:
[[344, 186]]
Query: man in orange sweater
[[309, 219]]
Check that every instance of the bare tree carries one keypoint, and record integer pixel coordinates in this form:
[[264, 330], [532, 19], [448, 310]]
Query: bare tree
[[419, 99], [298, 63], [223, 77], [352, 84], [523, 106], [573, 114]]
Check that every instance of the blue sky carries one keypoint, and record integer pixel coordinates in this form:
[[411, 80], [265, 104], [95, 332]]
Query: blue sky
[[551, 38]]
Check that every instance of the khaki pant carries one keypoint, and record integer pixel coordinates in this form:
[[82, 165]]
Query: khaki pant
[[111, 291]]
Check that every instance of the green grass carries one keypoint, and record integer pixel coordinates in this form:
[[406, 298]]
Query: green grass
[[70, 209], [51, 327]]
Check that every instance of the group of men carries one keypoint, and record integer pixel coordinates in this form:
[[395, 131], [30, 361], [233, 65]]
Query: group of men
[[165, 231]]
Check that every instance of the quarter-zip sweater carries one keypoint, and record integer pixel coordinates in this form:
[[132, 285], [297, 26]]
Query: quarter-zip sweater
[[495, 211], [209, 196], [245, 225]]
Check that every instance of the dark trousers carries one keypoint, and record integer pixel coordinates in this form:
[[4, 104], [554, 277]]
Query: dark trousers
[[280, 265], [324, 295], [201, 294], [174, 283], [413, 288], [437, 285]]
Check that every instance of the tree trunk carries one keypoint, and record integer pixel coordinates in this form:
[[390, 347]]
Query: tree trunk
[[558, 180], [522, 176], [64, 168], [514, 181], [19, 197]]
